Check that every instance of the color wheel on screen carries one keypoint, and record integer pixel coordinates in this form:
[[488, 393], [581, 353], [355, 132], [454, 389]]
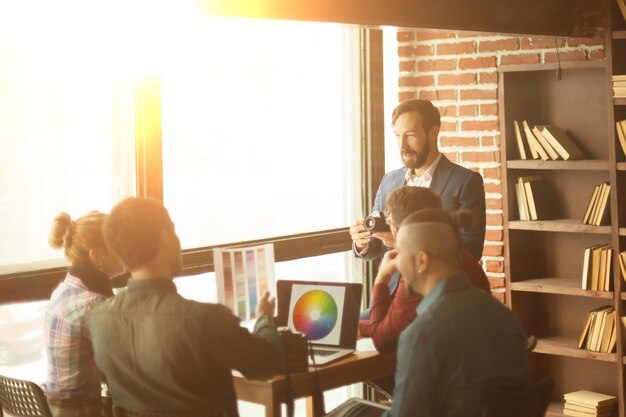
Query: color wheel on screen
[[315, 314]]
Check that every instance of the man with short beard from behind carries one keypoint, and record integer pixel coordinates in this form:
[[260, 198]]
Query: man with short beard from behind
[[416, 124]]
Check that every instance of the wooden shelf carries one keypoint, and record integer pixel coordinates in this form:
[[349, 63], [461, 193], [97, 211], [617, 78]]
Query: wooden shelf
[[564, 286], [621, 166], [582, 165], [620, 101], [619, 34], [555, 409], [551, 66], [563, 346], [560, 225]]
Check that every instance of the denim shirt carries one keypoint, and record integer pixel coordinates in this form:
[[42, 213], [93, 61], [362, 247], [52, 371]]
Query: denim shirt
[[160, 351], [463, 348]]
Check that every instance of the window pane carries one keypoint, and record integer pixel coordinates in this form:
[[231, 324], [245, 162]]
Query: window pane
[[260, 130], [65, 135], [22, 353]]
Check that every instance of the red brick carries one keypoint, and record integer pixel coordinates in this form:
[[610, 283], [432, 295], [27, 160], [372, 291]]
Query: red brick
[[565, 56], [423, 81], [488, 156], [488, 78], [469, 34], [495, 282], [448, 127], [501, 45], [458, 141], [456, 48], [500, 296], [471, 125], [493, 188], [519, 59], [490, 141], [475, 63], [489, 109], [494, 235], [408, 66], [584, 41], [478, 94], [450, 111], [457, 79], [427, 36], [402, 36], [424, 50], [492, 250], [452, 156], [494, 203], [437, 65], [468, 110], [406, 95], [597, 54], [495, 266], [495, 220], [492, 173], [434, 95], [541, 43], [406, 51]]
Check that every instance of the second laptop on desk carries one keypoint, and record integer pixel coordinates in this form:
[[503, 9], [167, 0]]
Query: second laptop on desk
[[326, 312]]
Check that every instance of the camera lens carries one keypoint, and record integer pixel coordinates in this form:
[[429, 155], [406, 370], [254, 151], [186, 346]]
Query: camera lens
[[369, 222]]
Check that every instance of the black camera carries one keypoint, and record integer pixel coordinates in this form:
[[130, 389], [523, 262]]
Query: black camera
[[295, 348], [376, 224]]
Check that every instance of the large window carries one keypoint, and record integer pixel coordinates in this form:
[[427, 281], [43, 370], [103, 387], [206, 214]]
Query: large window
[[260, 130]]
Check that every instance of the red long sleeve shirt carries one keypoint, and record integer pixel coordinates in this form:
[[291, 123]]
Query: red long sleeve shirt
[[391, 314]]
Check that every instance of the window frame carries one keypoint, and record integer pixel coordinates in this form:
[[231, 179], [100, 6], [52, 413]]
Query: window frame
[[38, 284]]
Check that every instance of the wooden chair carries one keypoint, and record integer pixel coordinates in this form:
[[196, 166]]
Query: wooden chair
[[204, 412], [23, 398], [528, 402]]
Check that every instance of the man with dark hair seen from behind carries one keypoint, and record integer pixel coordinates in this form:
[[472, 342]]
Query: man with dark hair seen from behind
[[416, 124], [464, 348], [158, 350]]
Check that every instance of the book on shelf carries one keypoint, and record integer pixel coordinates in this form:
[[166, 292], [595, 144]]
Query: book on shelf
[[618, 78], [597, 212], [521, 145], [621, 134], [591, 398], [592, 269], [532, 198], [535, 147], [597, 332], [569, 411], [619, 83], [622, 7], [622, 264], [619, 92], [561, 142], [545, 144]]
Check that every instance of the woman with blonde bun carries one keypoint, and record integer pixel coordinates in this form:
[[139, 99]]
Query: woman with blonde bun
[[73, 381]]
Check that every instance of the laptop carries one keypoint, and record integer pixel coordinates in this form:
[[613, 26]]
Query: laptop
[[327, 313]]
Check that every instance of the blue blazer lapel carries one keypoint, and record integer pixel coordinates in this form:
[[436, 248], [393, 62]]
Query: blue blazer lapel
[[441, 175]]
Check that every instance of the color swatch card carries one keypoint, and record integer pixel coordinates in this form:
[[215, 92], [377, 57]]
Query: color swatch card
[[243, 275]]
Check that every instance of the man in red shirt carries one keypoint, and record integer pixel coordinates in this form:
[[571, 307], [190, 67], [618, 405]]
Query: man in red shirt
[[392, 314]]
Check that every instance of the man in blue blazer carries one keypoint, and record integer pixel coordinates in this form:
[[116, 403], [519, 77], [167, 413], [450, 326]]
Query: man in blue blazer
[[416, 124]]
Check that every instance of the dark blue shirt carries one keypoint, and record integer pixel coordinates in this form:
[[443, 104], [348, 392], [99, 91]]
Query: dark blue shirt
[[463, 348]]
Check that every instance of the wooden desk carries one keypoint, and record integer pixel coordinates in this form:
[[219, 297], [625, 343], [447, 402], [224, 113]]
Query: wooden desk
[[356, 368]]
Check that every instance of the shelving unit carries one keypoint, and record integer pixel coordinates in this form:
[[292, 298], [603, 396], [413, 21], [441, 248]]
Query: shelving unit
[[544, 258]]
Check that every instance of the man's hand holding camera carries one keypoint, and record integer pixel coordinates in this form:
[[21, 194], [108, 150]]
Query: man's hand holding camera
[[362, 230]]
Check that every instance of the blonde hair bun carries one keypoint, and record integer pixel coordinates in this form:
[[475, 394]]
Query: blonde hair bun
[[62, 231]]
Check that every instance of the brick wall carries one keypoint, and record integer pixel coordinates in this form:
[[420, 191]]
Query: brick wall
[[458, 73]]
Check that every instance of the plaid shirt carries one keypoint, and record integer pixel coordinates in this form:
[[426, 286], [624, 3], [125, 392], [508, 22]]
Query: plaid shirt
[[72, 372]]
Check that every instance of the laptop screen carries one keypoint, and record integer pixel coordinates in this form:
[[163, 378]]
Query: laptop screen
[[326, 312]]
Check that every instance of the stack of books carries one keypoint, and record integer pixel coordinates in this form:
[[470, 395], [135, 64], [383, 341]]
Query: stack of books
[[597, 268], [599, 333], [622, 264], [597, 212], [621, 134], [545, 142], [588, 404], [619, 86], [532, 202]]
